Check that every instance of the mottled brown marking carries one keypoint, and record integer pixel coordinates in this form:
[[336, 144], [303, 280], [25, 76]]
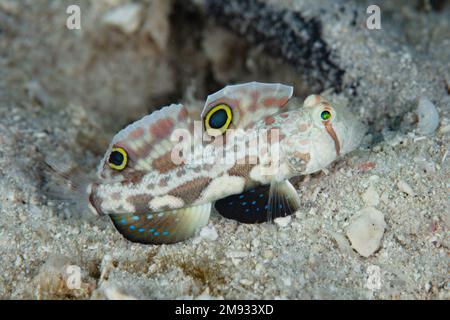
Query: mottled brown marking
[[255, 97], [182, 115], [140, 202], [302, 127], [301, 160], [164, 163], [136, 133], [191, 190], [132, 177], [303, 142], [197, 169], [269, 120], [163, 182], [302, 156], [162, 128], [181, 172], [274, 102], [284, 115], [208, 166], [242, 169]]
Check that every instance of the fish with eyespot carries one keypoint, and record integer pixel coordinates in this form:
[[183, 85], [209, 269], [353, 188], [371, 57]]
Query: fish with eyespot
[[157, 190]]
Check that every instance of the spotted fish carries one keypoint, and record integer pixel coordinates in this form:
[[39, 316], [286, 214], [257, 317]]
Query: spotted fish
[[162, 175]]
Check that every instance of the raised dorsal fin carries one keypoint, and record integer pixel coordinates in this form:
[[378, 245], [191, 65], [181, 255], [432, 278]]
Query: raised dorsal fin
[[148, 143], [249, 102]]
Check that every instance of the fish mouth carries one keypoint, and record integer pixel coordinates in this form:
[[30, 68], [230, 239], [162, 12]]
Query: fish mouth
[[91, 189]]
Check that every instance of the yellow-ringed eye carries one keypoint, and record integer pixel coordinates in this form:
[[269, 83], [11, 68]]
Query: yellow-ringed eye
[[218, 119], [118, 158]]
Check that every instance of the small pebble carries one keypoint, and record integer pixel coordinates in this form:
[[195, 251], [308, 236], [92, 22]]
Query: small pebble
[[127, 17], [428, 116], [403, 186], [245, 282], [283, 222], [209, 233], [365, 233], [370, 197]]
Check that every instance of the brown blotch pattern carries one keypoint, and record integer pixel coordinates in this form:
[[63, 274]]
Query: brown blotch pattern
[[269, 120], [164, 163], [191, 190], [163, 182], [243, 168], [140, 202], [162, 128]]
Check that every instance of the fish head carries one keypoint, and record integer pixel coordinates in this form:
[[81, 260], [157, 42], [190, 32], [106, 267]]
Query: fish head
[[322, 133], [120, 185]]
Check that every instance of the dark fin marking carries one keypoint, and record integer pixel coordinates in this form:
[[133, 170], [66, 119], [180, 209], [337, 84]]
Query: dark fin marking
[[261, 204], [162, 227]]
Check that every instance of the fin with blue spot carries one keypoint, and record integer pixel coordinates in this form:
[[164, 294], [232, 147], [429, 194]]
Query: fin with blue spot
[[162, 227], [261, 204]]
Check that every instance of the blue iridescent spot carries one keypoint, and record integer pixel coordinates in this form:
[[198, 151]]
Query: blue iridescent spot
[[124, 221], [165, 233], [280, 206], [151, 230], [247, 210], [149, 216], [266, 206], [135, 218], [261, 195], [156, 233], [257, 209], [241, 196], [253, 202], [141, 229], [160, 214], [244, 203], [132, 227]]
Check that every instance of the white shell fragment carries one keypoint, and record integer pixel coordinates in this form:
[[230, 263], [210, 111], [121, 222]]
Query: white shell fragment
[[127, 17], [365, 233], [403, 186], [209, 233], [283, 221], [371, 197], [428, 116]]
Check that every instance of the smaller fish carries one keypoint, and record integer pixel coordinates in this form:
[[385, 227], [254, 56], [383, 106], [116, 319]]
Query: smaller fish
[[154, 196]]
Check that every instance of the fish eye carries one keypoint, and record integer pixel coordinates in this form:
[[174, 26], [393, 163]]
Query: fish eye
[[218, 119], [326, 115], [118, 158]]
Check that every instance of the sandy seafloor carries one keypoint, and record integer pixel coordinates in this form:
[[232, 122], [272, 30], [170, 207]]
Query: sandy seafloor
[[63, 95]]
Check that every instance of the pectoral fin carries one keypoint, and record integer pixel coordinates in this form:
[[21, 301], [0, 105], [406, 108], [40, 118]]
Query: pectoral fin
[[163, 227], [261, 204]]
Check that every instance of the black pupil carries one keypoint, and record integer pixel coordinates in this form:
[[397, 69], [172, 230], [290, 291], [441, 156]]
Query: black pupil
[[116, 158], [218, 119]]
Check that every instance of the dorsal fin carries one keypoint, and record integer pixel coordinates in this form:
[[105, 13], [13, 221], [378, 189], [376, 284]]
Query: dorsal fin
[[148, 141], [250, 102]]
